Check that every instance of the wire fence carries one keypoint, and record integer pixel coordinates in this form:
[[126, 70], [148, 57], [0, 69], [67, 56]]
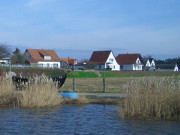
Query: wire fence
[[95, 84], [29, 66]]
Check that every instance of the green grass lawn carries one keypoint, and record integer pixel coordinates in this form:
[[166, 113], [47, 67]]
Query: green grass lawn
[[89, 73], [116, 74], [82, 74], [108, 74]]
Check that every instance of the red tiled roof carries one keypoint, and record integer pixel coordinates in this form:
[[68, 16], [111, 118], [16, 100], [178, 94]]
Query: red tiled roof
[[99, 57], [38, 54], [69, 61], [127, 58]]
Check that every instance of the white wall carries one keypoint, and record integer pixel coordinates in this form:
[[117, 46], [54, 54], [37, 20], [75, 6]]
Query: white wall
[[148, 64], [5, 61], [128, 67], [49, 64], [100, 67], [176, 68], [153, 63], [112, 63]]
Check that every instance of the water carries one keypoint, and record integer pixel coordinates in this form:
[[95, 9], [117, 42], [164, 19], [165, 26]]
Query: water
[[78, 120]]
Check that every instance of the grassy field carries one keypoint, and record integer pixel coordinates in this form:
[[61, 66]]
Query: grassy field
[[82, 74], [113, 85], [88, 73], [30, 72], [88, 81], [117, 74]]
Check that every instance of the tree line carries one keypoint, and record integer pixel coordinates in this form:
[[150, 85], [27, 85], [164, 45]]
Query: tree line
[[169, 61], [16, 56], [19, 58]]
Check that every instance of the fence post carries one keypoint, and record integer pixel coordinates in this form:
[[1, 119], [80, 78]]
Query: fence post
[[104, 85], [74, 84]]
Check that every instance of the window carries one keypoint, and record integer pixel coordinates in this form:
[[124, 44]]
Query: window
[[110, 60], [55, 65], [48, 65], [40, 65], [47, 57]]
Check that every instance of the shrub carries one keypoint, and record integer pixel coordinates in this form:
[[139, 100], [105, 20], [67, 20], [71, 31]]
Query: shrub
[[152, 98]]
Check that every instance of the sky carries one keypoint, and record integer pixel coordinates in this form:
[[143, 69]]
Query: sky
[[76, 28]]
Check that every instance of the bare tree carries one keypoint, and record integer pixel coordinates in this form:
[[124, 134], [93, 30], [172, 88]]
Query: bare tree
[[5, 51], [145, 58]]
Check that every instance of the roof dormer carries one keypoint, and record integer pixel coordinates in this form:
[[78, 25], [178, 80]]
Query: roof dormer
[[45, 55]]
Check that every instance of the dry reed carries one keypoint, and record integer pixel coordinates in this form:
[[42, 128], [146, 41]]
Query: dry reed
[[152, 98], [40, 92], [82, 100], [7, 94]]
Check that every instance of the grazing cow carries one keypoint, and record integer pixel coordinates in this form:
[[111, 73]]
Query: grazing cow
[[18, 81], [60, 80]]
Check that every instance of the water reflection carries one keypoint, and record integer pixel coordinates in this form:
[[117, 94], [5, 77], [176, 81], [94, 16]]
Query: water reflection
[[79, 120]]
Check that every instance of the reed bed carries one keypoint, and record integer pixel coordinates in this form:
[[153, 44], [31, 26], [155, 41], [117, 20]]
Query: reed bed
[[40, 92], [82, 100], [7, 94], [152, 98]]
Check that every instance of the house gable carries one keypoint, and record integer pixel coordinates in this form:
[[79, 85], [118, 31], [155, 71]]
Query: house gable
[[99, 57], [104, 60], [148, 64]]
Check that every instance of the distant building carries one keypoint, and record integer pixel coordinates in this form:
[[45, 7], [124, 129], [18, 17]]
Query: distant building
[[70, 61], [81, 65], [130, 61], [167, 67], [5, 61], [42, 58], [104, 60], [150, 64]]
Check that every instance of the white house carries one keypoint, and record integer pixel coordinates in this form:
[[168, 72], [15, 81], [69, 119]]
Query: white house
[[104, 60], [130, 61], [150, 64], [167, 67], [42, 58], [5, 61]]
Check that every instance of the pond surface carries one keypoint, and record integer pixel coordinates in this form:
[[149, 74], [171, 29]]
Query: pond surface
[[78, 120]]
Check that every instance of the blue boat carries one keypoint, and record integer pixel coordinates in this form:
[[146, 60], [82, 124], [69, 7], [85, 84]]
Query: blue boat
[[69, 94]]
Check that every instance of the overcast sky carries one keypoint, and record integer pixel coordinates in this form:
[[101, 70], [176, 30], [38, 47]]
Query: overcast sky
[[76, 28]]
